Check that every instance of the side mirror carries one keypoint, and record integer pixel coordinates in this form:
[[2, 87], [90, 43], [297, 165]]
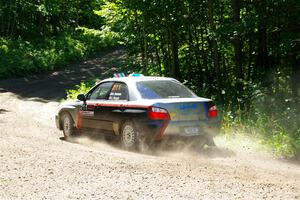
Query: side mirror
[[81, 97]]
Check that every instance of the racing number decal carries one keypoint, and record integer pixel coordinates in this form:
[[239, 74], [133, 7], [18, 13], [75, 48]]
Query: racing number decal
[[116, 87], [87, 110]]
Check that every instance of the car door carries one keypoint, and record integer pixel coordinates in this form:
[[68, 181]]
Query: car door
[[92, 109], [110, 112]]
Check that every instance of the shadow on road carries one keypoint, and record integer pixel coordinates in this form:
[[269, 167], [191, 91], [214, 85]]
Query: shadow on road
[[51, 86]]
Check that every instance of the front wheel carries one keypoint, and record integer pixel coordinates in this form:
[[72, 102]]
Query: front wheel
[[68, 125], [129, 136]]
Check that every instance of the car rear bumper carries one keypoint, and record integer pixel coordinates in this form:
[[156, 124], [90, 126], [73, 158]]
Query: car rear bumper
[[192, 128], [178, 129]]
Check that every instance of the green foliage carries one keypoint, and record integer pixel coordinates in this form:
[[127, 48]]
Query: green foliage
[[30, 19], [36, 36], [20, 57], [82, 88], [95, 38]]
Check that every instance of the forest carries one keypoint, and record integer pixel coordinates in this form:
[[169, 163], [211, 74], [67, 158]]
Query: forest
[[243, 54]]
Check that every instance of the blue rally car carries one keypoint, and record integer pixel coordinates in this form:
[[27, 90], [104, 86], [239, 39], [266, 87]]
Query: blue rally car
[[139, 109]]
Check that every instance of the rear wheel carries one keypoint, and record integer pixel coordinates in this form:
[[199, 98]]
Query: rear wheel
[[68, 125], [129, 136]]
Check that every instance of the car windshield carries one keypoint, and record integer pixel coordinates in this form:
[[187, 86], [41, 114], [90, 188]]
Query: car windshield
[[163, 89]]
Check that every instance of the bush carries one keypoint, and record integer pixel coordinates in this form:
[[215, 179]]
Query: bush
[[272, 117], [19, 57], [82, 88]]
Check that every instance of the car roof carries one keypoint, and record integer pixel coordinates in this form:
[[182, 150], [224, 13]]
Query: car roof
[[131, 80], [137, 79]]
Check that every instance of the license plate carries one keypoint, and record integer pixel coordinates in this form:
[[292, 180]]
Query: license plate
[[192, 130]]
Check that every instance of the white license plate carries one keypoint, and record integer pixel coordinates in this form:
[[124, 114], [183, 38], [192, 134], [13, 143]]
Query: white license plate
[[192, 130]]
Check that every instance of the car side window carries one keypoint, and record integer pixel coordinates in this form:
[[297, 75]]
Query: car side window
[[119, 91], [101, 92]]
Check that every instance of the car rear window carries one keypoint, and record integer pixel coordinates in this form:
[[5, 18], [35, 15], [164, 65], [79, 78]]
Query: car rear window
[[163, 89]]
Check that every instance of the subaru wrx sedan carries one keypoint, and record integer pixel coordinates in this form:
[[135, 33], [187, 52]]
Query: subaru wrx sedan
[[143, 108]]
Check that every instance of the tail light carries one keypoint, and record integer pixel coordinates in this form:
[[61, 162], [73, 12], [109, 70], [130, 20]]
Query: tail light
[[157, 113], [213, 112]]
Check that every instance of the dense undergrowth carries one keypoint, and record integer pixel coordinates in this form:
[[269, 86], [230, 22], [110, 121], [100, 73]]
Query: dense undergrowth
[[272, 117], [20, 57]]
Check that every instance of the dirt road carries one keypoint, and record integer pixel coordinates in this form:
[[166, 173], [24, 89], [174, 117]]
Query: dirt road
[[36, 164]]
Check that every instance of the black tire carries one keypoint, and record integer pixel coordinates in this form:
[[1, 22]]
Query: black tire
[[129, 136], [68, 125]]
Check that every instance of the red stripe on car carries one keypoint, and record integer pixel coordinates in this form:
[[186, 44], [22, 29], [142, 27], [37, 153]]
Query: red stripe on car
[[79, 120], [116, 105]]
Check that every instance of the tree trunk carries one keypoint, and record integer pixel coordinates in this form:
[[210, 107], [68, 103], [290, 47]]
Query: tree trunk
[[250, 58], [145, 50], [214, 47], [166, 60], [175, 71], [262, 57], [293, 27], [295, 78], [158, 60], [237, 44]]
